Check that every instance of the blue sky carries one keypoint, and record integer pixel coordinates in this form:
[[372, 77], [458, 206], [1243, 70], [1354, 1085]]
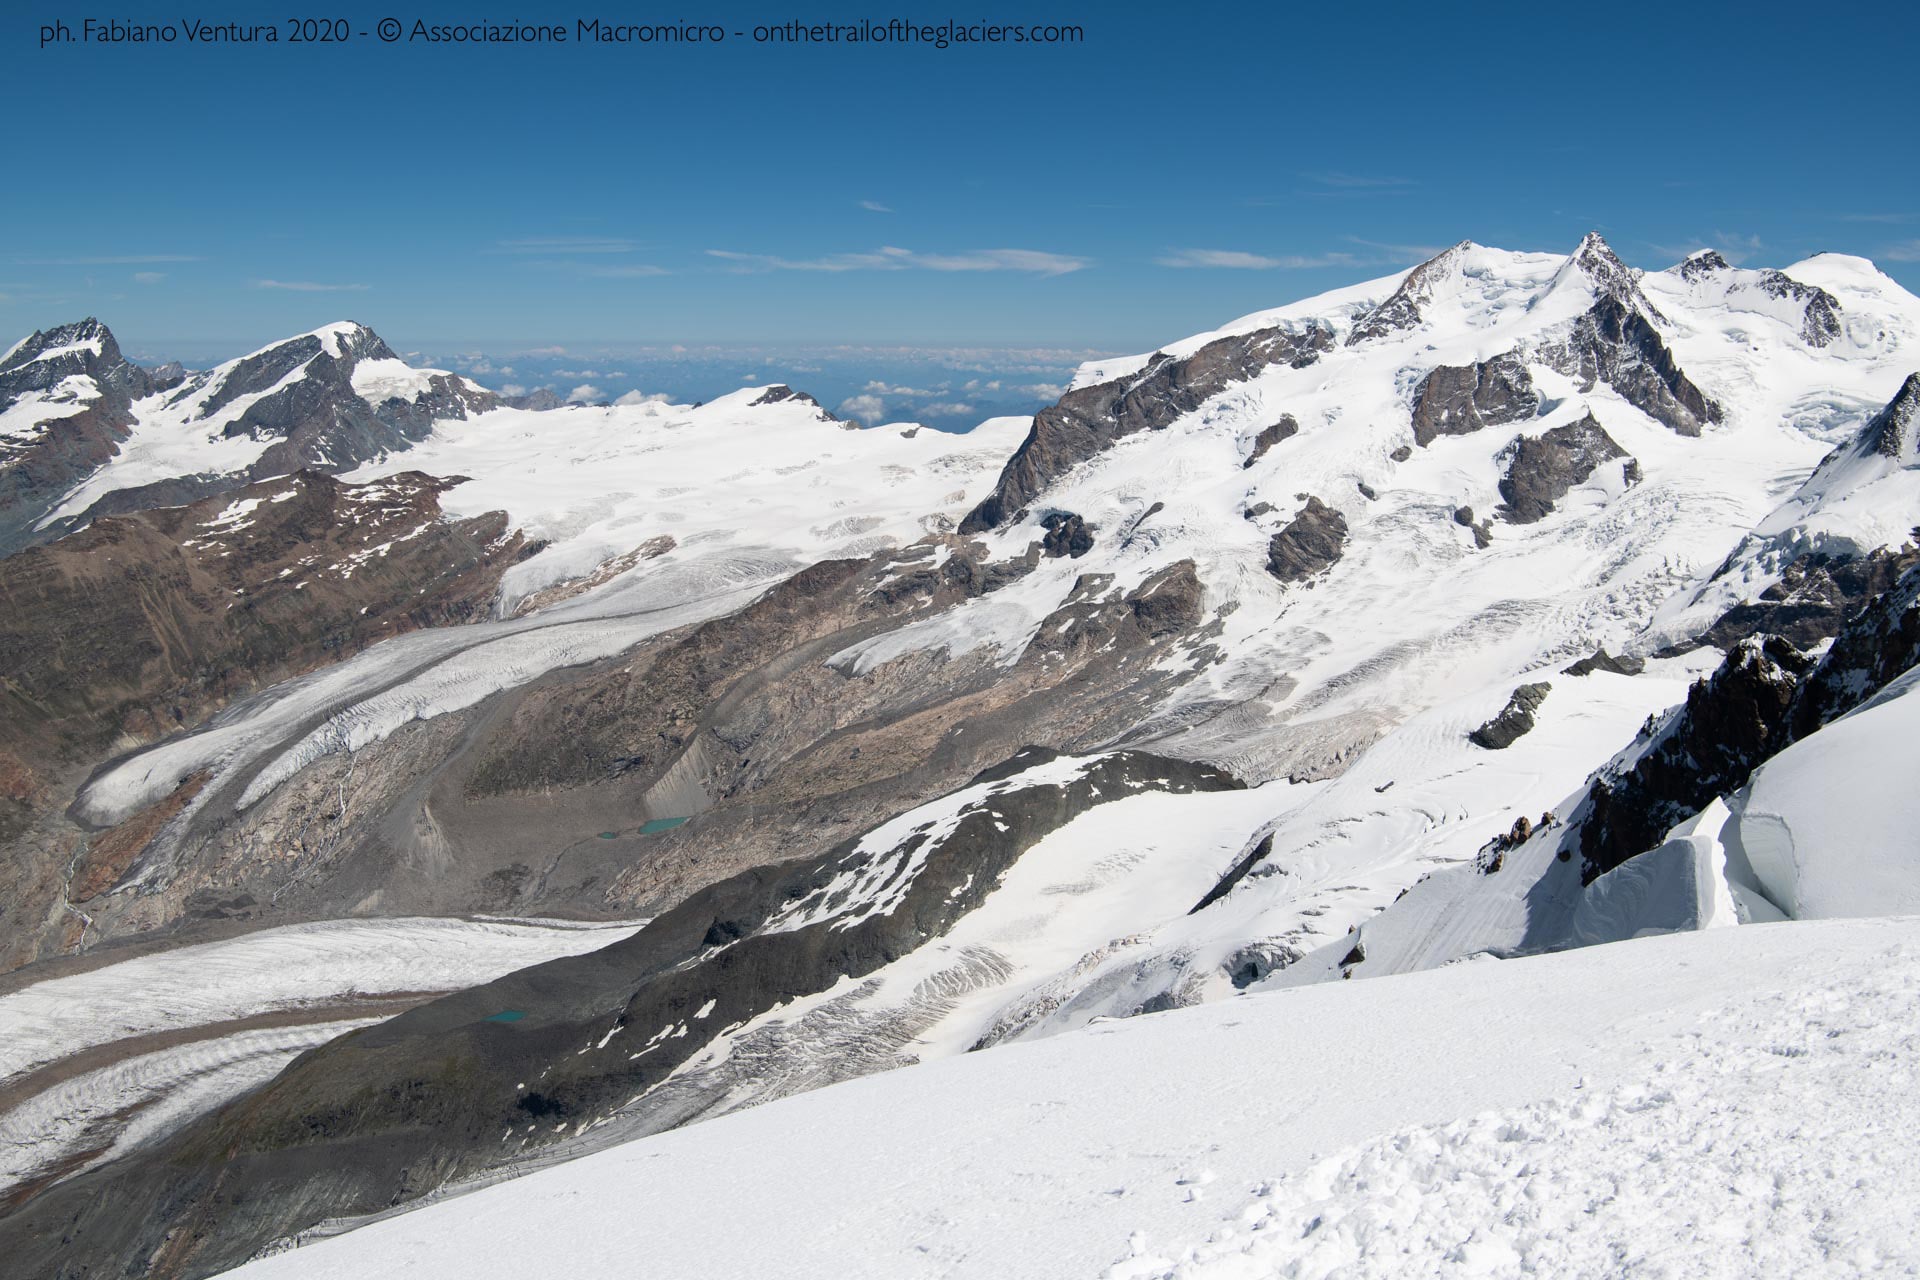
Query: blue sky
[[1183, 165]]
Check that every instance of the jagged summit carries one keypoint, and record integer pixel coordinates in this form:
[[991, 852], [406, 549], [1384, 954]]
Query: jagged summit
[[1594, 270], [1402, 309], [82, 349], [1703, 262], [1895, 431], [781, 393]]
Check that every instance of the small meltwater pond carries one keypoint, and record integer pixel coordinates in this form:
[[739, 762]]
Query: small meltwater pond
[[650, 828]]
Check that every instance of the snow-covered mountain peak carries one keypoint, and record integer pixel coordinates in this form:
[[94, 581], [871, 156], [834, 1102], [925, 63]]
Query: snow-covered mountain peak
[[1405, 307], [83, 349], [1701, 262], [1593, 272]]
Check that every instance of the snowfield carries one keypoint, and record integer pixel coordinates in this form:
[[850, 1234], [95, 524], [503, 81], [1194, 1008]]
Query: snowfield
[[1727, 1103]]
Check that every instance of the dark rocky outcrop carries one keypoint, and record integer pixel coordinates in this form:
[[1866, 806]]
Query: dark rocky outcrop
[[781, 393], [1612, 279], [1542, 469], [1601, 660], [1894, 432], [1820, 322], [1087, 420], [1515, 720], [1730, 722], [1459, 400], [1401, 310], [1766, 695], [1617, 344], [1482, 529], [1878, 644], [1262, 849], [377, 1117], [1702, 266], [1813, 599], [1284, 429], [1067, 535], [1311, 543], [1820, 310]]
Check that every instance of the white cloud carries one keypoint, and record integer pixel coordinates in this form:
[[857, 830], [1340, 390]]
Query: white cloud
[[309, 286], [869, 409], [1905, 251], [585, 394], [1044, 390], [638, 271], [1235, 260], [1356, 182], [892, 258], [548, 351], [874, 206], [149, 277], [118, 260], [513, 389], [1400, 252], [879, 388], [947, 409], [641, 397], [565, 244]]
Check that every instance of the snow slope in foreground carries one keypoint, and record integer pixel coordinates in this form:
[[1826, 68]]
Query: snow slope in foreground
[[1732, 1102]]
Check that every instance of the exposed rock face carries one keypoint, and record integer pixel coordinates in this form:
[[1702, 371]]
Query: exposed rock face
[[540, 399], [1067, 535], [1270, 436], [1482, 529], [1088, 420], [298, 395], [72, 364], [1877, 645], [1729, 723], [1401, 310], [1310, 544], [1702, 266], [318, 420], [140, 625], [1601, 660], [1813, 599], [1456, 401], [1821, 323], [1542, 469], [1894, 432], [1515, 720], [1617, 344], [780, 393], [1820, 310], [425, 1097], [1612, 280], [1765, 696]]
